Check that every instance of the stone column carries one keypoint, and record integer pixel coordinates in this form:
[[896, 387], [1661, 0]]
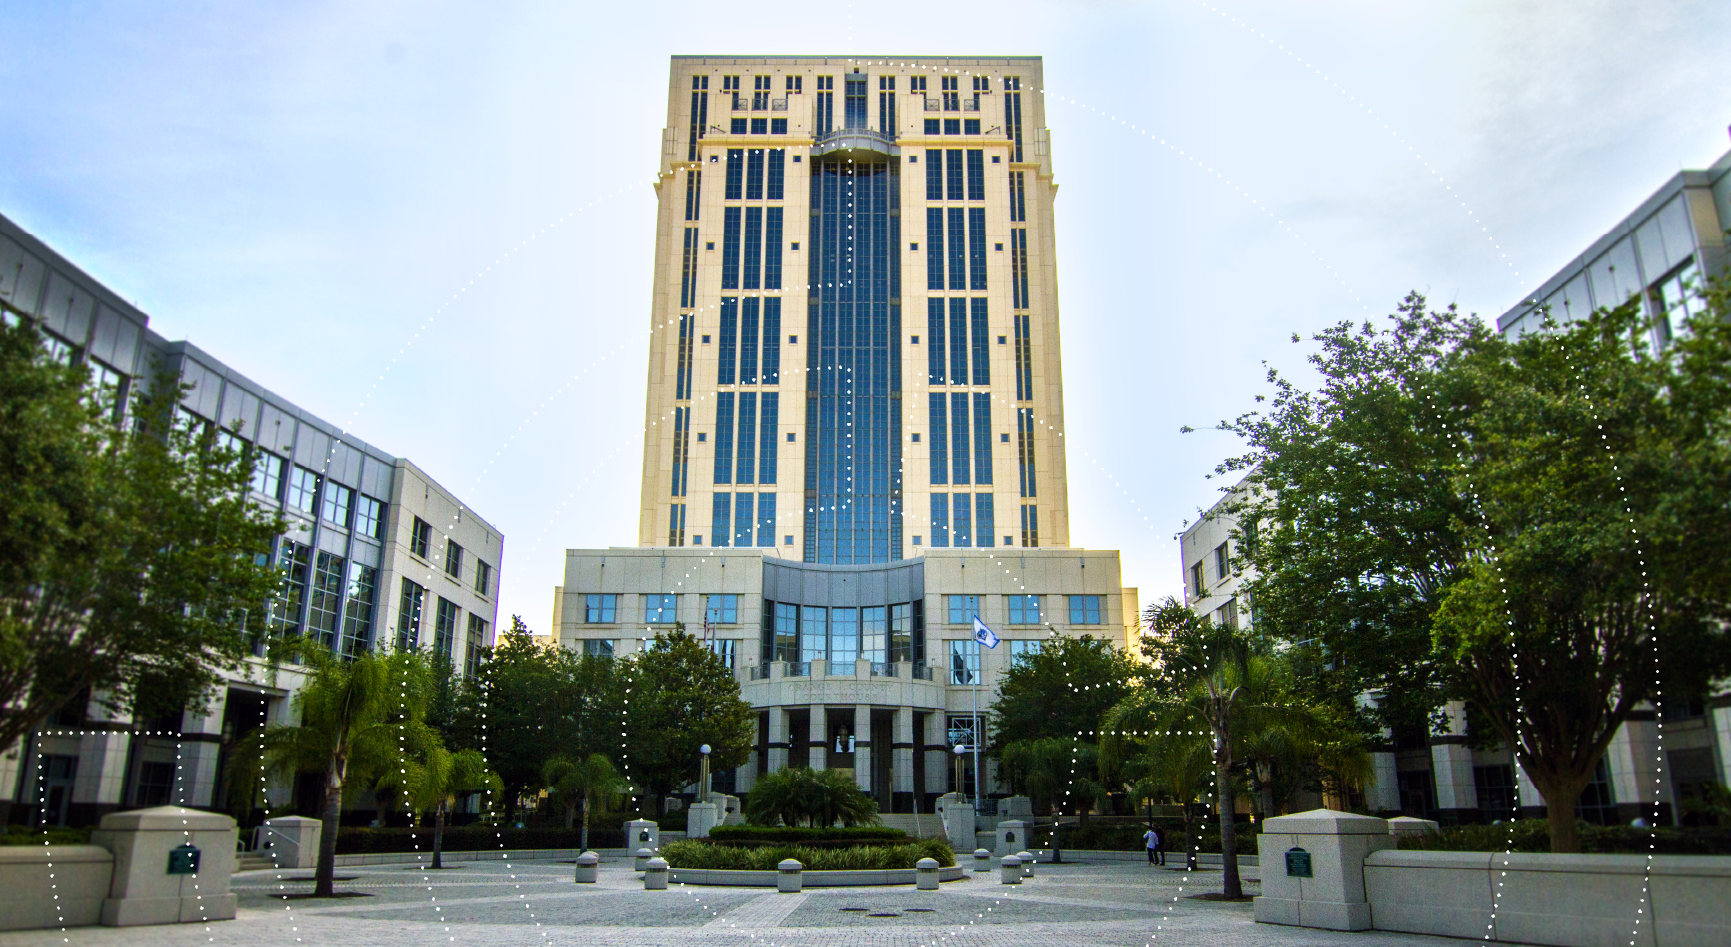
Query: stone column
[[1383, 793], [862, 747], [1721, 720], [1452, 765], [102, 756], [937, 760], [902, 760], [777, 739], [141, 891], [200, 747], [819, 739], [1638, 780]]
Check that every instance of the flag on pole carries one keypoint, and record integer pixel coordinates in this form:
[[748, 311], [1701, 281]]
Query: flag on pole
[[984, 635]]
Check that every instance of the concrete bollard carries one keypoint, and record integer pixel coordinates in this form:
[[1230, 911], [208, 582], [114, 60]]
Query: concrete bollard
[[1011, 870], [643, 856], [926, 874], [982, 861], [655, 876], [789, 876], [1027, 863], [588, 868]]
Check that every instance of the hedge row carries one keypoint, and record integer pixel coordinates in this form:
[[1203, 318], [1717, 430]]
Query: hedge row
[[369, 841], [698, 854], [1534, 835], [1128, 838], [793, 835]]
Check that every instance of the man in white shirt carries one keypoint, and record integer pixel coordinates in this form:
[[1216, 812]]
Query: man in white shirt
[[1156, 847]]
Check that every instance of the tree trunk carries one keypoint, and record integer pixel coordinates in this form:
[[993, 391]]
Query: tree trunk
[[438, 835], [1561, 797], [1265, 781], [324, 876], [584, 844], [1057, 844], [1231, 886]]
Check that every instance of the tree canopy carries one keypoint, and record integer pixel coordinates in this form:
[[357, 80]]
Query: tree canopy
[[678, 696]]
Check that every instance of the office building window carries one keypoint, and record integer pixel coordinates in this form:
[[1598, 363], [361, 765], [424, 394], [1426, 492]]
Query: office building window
[[776, 185], [906, 636], [598, 647], [721, 609], [1084, 609], [813, 633], [753, 256], [940, 460], [934, 175], [600, 608], [1026, 472], [962, 519], [958, 341], [956, 259], [772, 252], [935, 248], [720, 521], [1022, 650], [931, 126], [940, 516], [726, 360], [338, 499], [453, 559], [976, 174], [698, 117], [660, 609], [329, 574], [676, 525], [874, 634], [977, 249], [754, 174], [985, 524], [1013, 115], [843, 637], [766, 519], [982, 342], [963, 608], [1024, 609], [724, 437], [742, 519], [748, 341], [964, 662], [1018, 197], [784, 645], [475, 645], [935, 340], [1221, 562], [1019, 297], [778, 126], [693, 194], [772, 337], [303, 490], [887, 104], [960, 472], [362, 591], [766, 455], [267, 476], [369, 517], [294, 560], [483, 578], [971, 126], [420, 537], [1197, 584], [760, 126], [1030, 526], [725, 648], [982, 438], [954, 185], [445, 628], [730, 238], [795, 84], [409, 606], [733, 185]]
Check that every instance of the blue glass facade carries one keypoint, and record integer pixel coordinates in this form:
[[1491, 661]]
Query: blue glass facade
[[853, 482]]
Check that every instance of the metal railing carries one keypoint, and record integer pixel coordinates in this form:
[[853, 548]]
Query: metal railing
[[933, 104], [921, 671], [778, 105], [971, 105], [759, 672], [797, 669], [884, 669]]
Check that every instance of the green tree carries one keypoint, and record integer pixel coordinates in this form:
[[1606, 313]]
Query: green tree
[[1056, 773], [679, 695], [130, 556], [1541, 527], [358, 719], [575, 783], [818, 798], [429, 781], [1175, 767]]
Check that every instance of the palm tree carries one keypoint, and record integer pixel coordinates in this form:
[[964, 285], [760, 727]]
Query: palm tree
[[433, 781], [356, 718], [818, 798], [1178, 767], [574, 783]]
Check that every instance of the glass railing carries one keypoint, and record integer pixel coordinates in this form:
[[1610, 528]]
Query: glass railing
[[797, 669], [883, 669], [759, 672]]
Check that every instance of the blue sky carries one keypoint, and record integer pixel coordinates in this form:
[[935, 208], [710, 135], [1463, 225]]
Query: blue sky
[[301, 188]]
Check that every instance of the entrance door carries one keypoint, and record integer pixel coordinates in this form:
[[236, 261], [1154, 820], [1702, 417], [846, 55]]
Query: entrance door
[[56, 774]]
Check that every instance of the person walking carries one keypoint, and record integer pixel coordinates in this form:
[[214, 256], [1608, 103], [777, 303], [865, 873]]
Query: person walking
[[1156, 846]]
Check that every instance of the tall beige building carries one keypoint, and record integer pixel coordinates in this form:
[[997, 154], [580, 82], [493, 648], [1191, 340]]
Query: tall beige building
[[855, 353]]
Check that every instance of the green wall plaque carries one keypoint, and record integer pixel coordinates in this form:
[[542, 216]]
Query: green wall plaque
[[1297, 863], [183, 860]]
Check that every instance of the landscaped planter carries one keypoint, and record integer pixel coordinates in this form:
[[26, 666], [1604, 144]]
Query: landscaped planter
[[811, 879]]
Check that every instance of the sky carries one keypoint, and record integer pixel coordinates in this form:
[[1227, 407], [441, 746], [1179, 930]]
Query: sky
[[352, 204]]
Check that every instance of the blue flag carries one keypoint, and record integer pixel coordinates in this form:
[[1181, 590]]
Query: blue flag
[[984, 635]]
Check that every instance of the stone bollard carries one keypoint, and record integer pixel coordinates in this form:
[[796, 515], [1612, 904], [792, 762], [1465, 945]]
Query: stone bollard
[[655, 876], [982, 861], [588, 868], [1011, 870], [171, 865], [1313, 869], [789, 876], [1012, 837], [1407, 825], [1027, 863], [926, 874], [642, 863]]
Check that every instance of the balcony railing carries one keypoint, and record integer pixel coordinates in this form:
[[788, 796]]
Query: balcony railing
[[778, 105], [884, 669], [971, 105], [759, 672], [933, 104], [797, 669], [921, 671]]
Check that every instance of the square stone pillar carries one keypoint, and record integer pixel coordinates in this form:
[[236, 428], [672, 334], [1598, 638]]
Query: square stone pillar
[[101, 769], [1721, 721], [291, 840], [902, 758], [142, 891], [937, 754], [1528, 792], [819, 738], [862, 747], [1452, 764], [1313, 869], [1383, 793], [195, 771], [777, 739]]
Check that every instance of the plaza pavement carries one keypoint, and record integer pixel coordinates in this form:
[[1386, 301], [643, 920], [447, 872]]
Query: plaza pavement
[[536, 904]]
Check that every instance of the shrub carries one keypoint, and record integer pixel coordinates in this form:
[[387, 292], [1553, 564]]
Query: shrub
[[1534, 835], [476, 838], [792, 835], [815, 797], [699, 854], [24, 835], [672, 821]]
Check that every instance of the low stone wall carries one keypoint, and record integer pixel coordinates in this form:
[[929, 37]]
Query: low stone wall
[[30, 899], [810, 879], [1562, 900]]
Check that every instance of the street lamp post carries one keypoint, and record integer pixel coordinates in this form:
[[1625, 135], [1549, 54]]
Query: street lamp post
[[703, 776]]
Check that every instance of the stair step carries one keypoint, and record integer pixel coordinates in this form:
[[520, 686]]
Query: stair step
[[254, 862]]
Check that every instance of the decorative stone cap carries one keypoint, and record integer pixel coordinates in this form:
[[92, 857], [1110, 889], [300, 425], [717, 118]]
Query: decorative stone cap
[[1011, 861], [1407, 825], [643, 853], [1025, 857], [167, 819], [790, 866], [588, 858], [1325, 822], [658, 864], [982, 853], [293, 820]]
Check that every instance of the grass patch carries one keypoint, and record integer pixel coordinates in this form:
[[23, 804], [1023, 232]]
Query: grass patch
[[699, 854]]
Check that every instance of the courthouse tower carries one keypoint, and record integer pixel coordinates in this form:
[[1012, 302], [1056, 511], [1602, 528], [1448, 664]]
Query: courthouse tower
[[855, 351]]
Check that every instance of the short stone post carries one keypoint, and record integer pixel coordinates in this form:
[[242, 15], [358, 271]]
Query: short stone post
[[1012, 837], [171, 865], [1313, 869], [292, 840], [1027, 863], [789, 876], [642, 833], [1010, 870], [926, 874], [982, 861], [642, 862], [655, 875], [699, 819], [1407, 825], [588, 868], [958, 821]]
